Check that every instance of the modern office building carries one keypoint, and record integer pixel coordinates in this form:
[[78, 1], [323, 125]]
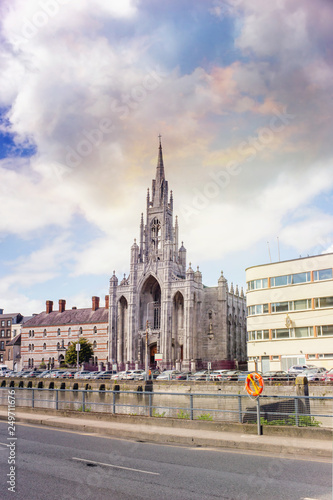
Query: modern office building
[[290, 313]]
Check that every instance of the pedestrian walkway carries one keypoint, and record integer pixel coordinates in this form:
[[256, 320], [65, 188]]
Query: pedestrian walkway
[[149, 432]]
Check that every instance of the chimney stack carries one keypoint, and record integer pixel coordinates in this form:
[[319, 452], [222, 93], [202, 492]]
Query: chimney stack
[[49, 306], [106, 302], [95, 303], [62, 305]]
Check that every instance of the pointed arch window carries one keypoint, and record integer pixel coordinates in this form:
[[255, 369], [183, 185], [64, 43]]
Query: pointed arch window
[[156, 233]]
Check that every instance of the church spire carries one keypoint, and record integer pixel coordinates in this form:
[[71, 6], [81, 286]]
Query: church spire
[[160, 185], [160, 167]]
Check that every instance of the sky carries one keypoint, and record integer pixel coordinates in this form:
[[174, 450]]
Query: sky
[[242, 95]]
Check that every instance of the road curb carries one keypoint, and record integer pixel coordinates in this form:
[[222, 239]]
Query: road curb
[[187, 437]]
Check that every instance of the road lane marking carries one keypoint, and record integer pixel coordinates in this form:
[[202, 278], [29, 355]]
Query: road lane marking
[[116, 466]]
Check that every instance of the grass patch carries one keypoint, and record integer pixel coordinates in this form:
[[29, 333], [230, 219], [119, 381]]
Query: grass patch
[[303, 421]]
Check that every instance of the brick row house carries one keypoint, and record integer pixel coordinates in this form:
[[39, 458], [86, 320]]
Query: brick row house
[[10, 327], [46, 336]]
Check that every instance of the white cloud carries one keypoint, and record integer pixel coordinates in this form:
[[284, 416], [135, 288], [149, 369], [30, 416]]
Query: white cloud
[[71, 74]]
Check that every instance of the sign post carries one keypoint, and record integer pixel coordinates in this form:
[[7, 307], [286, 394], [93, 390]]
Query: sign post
[[77, 347], [254, 386]]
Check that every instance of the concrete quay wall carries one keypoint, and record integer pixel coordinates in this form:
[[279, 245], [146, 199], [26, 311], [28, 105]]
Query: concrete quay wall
[[270, 389]]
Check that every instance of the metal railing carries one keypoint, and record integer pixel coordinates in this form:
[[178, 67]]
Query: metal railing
[[265, 410]]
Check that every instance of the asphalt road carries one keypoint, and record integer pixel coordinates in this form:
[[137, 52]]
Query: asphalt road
[[59, 465]]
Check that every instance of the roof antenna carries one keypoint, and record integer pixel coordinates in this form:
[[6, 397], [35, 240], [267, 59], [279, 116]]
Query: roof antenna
[[269, 253], [278, 243]]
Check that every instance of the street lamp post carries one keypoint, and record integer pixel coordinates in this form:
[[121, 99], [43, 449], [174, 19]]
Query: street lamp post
[[146, 357], [78, 348]]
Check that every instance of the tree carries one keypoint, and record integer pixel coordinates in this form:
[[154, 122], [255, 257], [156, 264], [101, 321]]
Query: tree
[[86, 352]]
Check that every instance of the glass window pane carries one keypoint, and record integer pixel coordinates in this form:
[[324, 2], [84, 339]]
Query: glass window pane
[[259, 335], [281, 280], [265, 308], [281, 306], [304, 332], [282, 333], [326, 301], [327, 330], [266, 334], [300, 304], [301, 278], [323, 274]]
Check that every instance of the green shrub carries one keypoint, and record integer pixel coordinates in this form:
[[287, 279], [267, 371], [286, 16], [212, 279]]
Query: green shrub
[[205, 416], [303, 421], [183, 414], [157, 414]]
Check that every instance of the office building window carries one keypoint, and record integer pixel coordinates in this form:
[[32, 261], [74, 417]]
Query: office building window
[[325, 330], [324, 302], [258, 309], [257, 284], [306, 331], [323, 274]]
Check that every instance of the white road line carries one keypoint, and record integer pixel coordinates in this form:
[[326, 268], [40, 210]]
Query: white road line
[[115, 466], [4, 444], [306, 498]]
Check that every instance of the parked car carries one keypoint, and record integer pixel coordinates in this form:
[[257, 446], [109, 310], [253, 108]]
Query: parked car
[[32, 374], [329, 375], [9, 373], [298, 369], [217, 374], [22, 372], [83, 374], [119, 375], [183, 376], [232, 375], [315, 374], [135, 375], [200, 375], [95, 375], [102, 375], [168, 375], [277, 375], [242, 376], [42, 375], [67, 374]]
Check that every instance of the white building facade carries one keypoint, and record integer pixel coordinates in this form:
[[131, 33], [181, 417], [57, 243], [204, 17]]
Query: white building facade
[[290, 313]]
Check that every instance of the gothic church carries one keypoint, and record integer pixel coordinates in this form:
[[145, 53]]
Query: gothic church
[[189, 324]]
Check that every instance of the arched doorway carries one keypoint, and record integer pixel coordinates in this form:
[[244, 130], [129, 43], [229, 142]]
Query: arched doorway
[[150, 304], [122, 330], [178, 326], [153, 351]]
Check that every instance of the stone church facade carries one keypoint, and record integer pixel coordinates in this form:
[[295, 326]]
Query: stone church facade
[[188, 324]]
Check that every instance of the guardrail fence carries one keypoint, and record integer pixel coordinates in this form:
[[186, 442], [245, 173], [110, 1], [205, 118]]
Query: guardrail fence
[[265, 410]]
